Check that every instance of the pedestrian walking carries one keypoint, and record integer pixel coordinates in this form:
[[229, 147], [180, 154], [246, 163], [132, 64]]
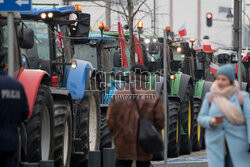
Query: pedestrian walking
[[225, 113], [122, 117], [13, 110]]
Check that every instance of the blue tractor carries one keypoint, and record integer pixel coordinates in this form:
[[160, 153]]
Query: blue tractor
[[74, 83]]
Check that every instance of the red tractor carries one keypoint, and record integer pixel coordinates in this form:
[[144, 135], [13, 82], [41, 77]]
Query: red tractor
[[38, 131]]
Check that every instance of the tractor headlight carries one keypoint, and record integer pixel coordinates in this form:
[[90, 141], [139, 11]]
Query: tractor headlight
[[73, 65], [50, 15], [43, 15]]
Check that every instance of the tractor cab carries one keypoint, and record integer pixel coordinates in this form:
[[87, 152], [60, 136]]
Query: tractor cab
[[54, 27]]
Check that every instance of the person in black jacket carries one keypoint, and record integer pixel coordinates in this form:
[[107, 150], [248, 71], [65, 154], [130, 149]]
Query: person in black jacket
[[13, 111]]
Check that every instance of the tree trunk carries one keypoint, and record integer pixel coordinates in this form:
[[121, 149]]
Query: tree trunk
[[131, 32]]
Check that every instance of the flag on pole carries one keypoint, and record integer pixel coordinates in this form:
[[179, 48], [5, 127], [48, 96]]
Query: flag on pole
[[182, 30], [245, 56], [122, 45], [59, 37], [138, 51], [213, 68], [207, 46]]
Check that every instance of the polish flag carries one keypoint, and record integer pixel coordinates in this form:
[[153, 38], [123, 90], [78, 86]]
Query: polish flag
[[207, 45], [182, 31], [245, 56], [59, 37], [122, 45], [213, 68]]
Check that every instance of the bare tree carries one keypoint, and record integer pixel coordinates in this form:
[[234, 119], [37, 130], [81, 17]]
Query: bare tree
[[129, 12]]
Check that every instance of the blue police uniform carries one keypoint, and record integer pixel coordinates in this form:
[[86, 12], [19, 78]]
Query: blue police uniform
[[13, 111]]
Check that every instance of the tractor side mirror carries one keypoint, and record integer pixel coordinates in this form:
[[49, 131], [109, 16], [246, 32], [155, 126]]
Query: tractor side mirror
[[82, 27], [223, 58], [117, 59], [26, 38]]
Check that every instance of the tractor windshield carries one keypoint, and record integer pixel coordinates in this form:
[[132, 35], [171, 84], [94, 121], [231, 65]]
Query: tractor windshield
[[38, 57]]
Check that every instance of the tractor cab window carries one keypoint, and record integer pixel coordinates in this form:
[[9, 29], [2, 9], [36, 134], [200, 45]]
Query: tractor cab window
[[86, 52], [38, 57]]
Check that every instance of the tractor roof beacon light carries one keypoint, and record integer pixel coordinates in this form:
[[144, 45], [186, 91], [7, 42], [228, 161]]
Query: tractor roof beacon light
[[192, 40], [140, 25], [168, 29], [106, 28], [78, 7], [101, 26], [209, 18], [43, 15]]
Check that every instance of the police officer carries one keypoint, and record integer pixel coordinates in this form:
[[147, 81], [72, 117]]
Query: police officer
[[13, 110]]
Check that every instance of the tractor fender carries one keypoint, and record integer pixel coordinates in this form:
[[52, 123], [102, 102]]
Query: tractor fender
[[61, 94], [174, 98], [79, 79], [198, 88], [31, 80], [206, 88], [159, 85], [184, 81]]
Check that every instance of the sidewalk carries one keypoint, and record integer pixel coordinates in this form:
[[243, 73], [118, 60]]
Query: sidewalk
[[196, 159]]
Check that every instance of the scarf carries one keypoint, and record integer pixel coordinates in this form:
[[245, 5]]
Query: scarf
[[221, 98]]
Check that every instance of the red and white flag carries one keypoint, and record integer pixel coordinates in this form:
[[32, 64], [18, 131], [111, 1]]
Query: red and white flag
[[182, 30], [213, 68], [245, 56], [122, 45], [207, 45], [138, 51], [59, 37]]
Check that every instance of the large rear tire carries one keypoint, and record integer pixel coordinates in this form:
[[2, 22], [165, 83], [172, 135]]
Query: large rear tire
[[106, 138], [63, 133], [88, 130], [174, 133], [40, 127], [198, 130], [187, 118]]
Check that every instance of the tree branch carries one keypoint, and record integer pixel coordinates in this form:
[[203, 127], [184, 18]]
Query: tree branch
[[139, 7]]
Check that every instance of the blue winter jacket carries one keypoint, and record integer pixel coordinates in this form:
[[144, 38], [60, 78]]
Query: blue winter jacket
[[236, 136], [13, 110]]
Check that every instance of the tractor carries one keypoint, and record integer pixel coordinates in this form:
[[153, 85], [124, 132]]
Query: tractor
[[224, 56], [74, 84], [36, 134]]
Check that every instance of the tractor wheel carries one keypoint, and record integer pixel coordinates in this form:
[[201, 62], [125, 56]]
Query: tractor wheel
[[198, 130], [63, 133], [187, 121], [88, 130], [40, 127], [174, 133], [106, 138]]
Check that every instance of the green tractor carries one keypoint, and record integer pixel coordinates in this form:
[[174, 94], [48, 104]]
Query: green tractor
[[180, 97]]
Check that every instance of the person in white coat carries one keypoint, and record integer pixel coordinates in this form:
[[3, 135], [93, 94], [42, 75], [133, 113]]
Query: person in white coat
[[226, 121]]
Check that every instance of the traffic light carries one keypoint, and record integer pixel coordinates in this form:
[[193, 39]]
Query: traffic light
[[209, 18]]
